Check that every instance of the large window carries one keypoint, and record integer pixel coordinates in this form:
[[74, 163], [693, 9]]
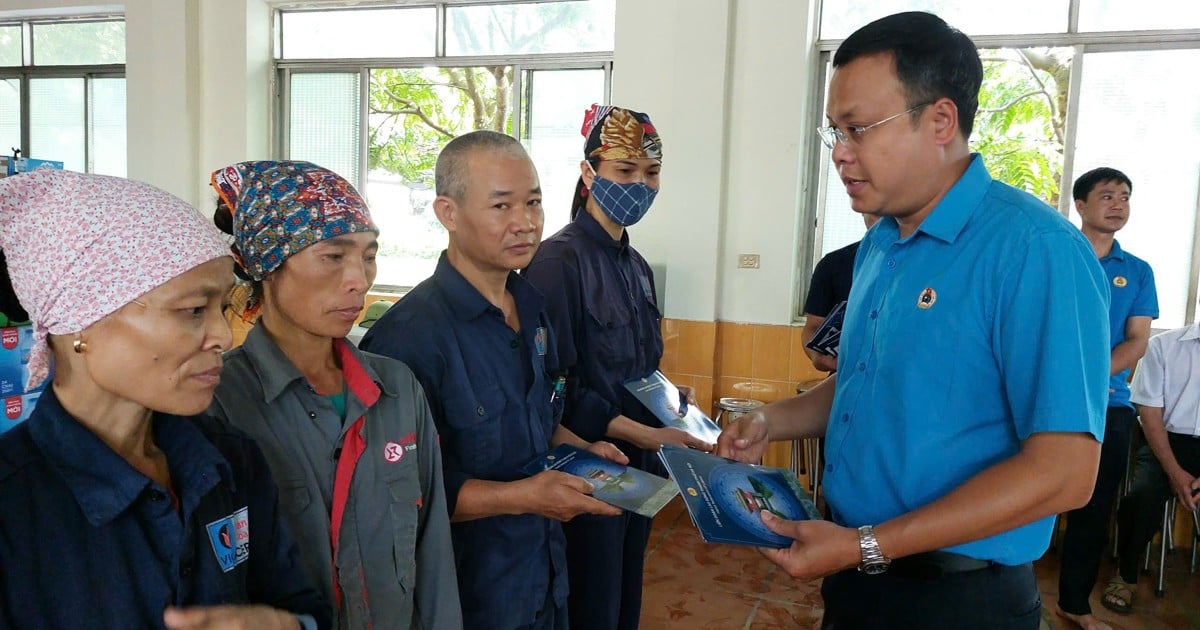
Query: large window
[[374, 94], [1069, 85], [62, 92]]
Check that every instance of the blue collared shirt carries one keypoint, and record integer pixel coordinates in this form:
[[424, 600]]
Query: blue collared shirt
[[601, 303], [1131, 284], [489, 390], [987, 324], [87, 541]]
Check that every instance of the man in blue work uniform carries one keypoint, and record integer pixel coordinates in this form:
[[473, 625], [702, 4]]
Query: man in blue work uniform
[[476, 336], [968, 405], [1102, 200]]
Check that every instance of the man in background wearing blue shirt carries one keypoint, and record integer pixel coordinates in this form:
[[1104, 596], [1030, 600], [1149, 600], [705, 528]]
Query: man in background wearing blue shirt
[[476, 336], [968, 405], [1102, 200]]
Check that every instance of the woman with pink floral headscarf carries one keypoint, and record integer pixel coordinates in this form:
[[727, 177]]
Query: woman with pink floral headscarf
[[121, 507]]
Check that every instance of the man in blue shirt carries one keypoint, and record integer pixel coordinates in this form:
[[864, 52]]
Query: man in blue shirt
[[968, 405], [1102, 200], [476, 336]]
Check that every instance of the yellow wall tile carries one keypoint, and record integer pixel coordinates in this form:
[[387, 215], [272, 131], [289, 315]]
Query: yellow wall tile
[[704, 394], [697, 344], [801, 367], [670, 334], [735, 349], [772, 352]]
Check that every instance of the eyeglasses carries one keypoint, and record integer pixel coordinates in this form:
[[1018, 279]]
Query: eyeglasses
[[832, 135]]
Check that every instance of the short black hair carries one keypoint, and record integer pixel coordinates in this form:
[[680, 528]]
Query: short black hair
[[932, 59], [450, 170], [1089, 180]]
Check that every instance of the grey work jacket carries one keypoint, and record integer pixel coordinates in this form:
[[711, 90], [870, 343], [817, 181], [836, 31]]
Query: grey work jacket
[[395, 562]]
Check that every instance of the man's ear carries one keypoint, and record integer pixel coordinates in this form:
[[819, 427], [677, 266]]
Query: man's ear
[[1079, 206], [446, 210], [945, 120]]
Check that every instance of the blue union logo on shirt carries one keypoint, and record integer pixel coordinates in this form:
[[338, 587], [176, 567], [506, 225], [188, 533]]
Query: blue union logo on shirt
[[230, 538]]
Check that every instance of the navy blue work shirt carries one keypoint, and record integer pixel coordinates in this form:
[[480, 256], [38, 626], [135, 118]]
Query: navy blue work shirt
[[601, 302], [87, 541], [490, 391]]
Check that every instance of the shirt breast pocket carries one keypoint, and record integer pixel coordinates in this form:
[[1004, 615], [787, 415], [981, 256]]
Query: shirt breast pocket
[[476, 418], [613, 337], [405, 514], [295, 497]]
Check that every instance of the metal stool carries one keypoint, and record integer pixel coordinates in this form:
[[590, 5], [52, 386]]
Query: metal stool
[[729, 409], [1167, 543]]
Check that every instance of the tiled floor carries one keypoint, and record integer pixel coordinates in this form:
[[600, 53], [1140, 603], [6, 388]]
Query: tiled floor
[[692, 584]]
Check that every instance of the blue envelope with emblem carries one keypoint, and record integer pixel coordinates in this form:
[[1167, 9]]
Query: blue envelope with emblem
[[726, 498], [663, 399], [625, 487]]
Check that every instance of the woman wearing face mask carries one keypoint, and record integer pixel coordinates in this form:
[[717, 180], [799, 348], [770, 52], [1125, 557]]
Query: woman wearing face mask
[[120, 507], [348, 435], [601, 303]]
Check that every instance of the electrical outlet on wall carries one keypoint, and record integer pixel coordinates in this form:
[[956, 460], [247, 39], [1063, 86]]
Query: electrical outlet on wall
[[747, 261]]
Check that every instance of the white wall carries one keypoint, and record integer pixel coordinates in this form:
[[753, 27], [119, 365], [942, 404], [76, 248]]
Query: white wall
[[198, 84], [726, 83]]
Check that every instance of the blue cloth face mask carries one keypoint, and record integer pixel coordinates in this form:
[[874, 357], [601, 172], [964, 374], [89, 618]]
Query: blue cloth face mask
[[625, 204]]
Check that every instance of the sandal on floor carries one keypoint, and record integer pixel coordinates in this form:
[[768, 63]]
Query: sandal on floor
[[1118, 596]]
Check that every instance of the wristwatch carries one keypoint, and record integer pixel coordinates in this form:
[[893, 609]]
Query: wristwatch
[[873, 560]]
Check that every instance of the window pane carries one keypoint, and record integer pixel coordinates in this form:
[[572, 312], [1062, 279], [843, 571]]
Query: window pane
[[540, 27], [10, 115], [413, 113], [840, 18], [840, 224], [56, 121], [1022, 116], [555, 105], [324, 121], [1123, 15], [1130, 102], [10, 45], [359, 33], [108, 126], [78, 43]]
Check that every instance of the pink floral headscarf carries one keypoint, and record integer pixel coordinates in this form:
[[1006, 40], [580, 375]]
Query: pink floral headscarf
[[82, 246]]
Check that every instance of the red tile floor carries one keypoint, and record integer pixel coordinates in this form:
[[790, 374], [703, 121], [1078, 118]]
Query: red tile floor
[[692, 584]]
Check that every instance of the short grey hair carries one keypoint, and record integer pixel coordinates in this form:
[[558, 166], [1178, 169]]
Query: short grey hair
[[450, 174]]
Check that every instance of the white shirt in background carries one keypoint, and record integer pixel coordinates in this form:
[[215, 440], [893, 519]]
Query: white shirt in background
[[1168, 376]]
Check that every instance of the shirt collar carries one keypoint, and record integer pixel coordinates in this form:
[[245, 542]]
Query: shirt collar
[[102, 482], [276, 371], [1193, 332], [1116, 253], [948, 218], [467, 303], [592, 228]]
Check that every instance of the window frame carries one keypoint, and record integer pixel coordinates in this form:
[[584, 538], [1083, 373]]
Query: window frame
[[27, 72], [812, 205], [283, 69]]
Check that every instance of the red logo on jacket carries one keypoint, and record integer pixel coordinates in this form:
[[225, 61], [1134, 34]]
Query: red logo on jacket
[[394, 451]]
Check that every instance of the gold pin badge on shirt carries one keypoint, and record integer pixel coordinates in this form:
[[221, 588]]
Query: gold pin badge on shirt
[[928, 298], [1120, 282]]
